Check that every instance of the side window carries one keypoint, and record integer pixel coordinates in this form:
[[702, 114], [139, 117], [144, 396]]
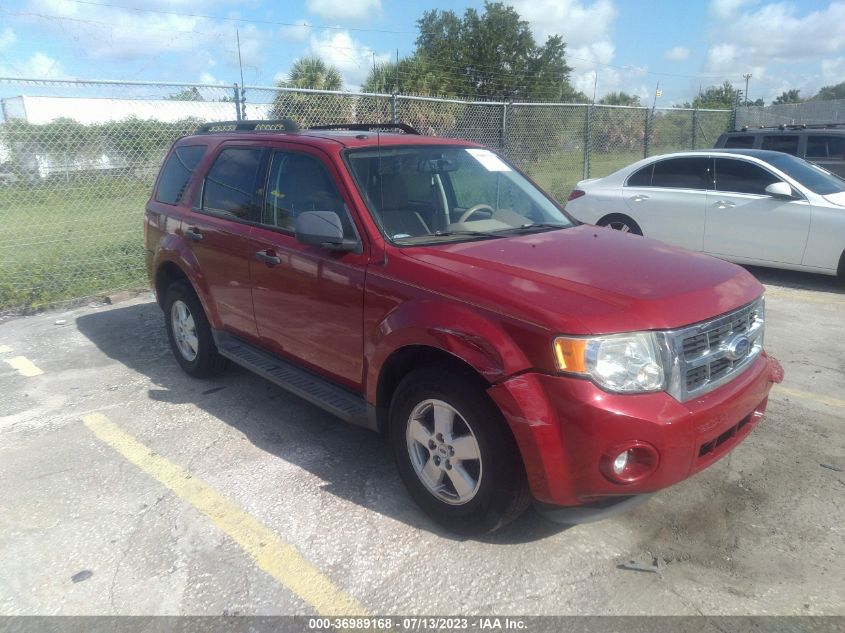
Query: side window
[[739, 176], [231, 182], [297, 183], [745, 141], [826, 146], [681, 173], [781, 143], [641, 178], [177, 172]]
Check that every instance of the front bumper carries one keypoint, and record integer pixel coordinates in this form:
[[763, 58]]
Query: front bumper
[[564, 426]]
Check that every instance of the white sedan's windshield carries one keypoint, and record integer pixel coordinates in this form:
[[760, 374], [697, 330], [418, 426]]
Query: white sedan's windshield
[[432, 193], [813, 177]]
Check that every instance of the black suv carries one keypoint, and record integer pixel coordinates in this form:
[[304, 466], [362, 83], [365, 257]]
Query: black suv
[[822, 144]]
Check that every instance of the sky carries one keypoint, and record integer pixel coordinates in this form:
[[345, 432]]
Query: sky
[[612, 45]]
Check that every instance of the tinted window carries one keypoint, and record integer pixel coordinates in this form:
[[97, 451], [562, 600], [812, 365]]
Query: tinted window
[[781, 143], [740, 142], [826, 146], [297, 183], [230, 184], [177, 172], [813, 177], [641, 178], [681, 173], [739, 176]]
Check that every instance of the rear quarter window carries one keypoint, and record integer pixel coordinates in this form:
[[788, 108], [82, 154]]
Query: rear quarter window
[[177, 172], [744, 141]]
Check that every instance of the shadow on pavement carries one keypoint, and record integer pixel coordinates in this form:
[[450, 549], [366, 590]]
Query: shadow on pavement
[[798, 280], [357, 464]]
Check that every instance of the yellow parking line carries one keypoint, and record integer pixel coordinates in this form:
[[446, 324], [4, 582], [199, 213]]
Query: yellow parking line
[[24, 366], [271, 553], [806, 395], [5, 349]]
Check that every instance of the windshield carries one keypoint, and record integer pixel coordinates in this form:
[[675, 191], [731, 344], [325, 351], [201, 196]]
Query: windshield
[[812, 176], [424, 194]]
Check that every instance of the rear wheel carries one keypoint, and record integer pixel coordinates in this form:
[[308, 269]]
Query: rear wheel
[[619, 222], [190, 333], [455, 453]]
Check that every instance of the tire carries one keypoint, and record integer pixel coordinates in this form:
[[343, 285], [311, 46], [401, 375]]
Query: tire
[[189, 332], [491, 489], [620, 222]]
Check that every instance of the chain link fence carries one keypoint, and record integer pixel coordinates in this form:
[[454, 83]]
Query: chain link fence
[[809, 112], [78, 160]]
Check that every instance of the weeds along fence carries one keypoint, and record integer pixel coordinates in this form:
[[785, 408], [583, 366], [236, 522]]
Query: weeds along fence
[[78, 160]]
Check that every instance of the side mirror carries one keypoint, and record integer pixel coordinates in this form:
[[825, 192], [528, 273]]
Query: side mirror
[[322, 228], [779, 190]]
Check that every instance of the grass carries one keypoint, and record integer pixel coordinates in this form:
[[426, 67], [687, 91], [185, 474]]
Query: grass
[[65, 239]]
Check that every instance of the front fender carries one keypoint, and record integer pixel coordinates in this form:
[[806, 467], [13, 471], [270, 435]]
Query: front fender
[[479, 340]]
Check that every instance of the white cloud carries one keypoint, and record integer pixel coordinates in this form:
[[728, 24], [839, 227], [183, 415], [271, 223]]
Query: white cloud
[[7, 38], [352, 58], [726, 8], [39, 65], [677, 54], [345, 9], [298, 33]]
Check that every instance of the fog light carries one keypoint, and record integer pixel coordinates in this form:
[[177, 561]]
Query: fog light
[[620, 462]]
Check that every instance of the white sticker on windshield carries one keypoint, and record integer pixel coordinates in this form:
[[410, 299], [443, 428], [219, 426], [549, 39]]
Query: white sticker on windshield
[[489, 160]]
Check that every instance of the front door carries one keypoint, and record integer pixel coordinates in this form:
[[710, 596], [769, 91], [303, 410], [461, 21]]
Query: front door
[[309, 301]]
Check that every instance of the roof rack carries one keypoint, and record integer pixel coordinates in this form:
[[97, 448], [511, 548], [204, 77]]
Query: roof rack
[[792, 126], [266, 125], [367, 127]]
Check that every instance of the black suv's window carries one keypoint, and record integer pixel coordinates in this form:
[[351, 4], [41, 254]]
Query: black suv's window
[[826, 146], [744, 141], [681, 173], [230, 184], [297, 183], [641, 178], [781, 143], [740, 176], [177, 172]]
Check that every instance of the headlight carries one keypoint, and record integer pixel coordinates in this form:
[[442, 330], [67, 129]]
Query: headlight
[[626, 363]]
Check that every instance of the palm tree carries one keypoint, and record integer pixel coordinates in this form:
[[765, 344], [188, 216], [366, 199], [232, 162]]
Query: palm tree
[[314, 73]]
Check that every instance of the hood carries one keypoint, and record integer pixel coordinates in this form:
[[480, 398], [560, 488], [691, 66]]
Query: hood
[[588, 280], [836, 198]]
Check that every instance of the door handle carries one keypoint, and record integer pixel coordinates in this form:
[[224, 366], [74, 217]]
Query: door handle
[[639, 197], [268, 257], [193, 233], [724, 204]]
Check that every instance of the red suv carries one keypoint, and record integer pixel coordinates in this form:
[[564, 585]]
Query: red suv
[[426, 288]]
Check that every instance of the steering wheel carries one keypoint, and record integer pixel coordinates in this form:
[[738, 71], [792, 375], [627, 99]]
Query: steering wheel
[[474, 209]]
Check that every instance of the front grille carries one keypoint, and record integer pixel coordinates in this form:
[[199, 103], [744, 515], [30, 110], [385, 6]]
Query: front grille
[[710, 353]]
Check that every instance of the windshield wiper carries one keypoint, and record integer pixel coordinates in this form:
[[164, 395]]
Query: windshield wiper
[[531, 226], [424, 239]]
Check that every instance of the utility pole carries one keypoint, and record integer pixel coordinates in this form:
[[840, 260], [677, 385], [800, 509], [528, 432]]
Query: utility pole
[[746, 76], [242, 100]]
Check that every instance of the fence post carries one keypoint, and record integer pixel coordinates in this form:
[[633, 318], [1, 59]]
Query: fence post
[[694, 126], [393, 109], [503, 135], [237, 102], [647, 133], [588, 122]]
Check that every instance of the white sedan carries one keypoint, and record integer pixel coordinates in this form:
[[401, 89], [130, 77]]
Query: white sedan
[[753, 207]]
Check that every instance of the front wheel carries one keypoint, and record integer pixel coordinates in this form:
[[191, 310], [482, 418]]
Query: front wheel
[[455, 453], [619, 222]]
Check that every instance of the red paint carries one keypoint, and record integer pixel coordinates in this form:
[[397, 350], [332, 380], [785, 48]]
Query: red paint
[[496, 305]]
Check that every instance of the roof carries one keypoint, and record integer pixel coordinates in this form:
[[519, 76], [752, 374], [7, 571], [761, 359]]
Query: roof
[[761, 154]]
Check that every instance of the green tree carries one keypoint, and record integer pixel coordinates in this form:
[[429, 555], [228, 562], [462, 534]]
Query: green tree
[[716, 97], [312, 73], [830, 92], [788, 96], [620, 99], [188, 94], [491, 54]]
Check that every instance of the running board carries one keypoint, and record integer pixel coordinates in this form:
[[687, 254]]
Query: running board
[[305, 384]]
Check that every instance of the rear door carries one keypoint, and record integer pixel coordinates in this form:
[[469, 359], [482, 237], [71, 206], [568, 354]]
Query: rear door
[[217, 230], [309, 301], [667, 199], [744, 222]]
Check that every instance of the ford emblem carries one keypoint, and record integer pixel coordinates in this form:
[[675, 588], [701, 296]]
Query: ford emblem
[[737, 347]]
